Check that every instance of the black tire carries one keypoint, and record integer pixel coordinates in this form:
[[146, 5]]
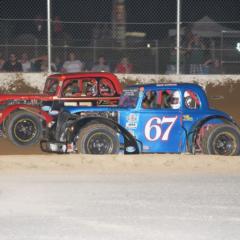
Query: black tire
[[24, 128], [221, 140], [98, 139]]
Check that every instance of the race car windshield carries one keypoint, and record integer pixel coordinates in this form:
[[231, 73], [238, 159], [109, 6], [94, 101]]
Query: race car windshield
[[129, 98], [51, 87]]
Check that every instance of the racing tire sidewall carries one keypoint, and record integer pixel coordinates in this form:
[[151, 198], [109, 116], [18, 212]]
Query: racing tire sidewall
[[28, 118], [228, 132], [93, 133]]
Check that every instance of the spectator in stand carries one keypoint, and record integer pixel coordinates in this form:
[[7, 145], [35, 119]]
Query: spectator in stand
[[73, 64], [124, 66], [196, 50], [26, 64], [57, 28], [101, 65], [12, 65], [2, 61], [39, 26], [213, 66], [40, 64], [57, 65]]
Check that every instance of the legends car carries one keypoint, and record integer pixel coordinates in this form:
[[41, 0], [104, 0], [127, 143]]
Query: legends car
[[23, 117], [157, 118]]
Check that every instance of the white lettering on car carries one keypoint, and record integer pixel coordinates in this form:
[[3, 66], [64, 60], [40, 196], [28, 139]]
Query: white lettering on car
[[156, 123]]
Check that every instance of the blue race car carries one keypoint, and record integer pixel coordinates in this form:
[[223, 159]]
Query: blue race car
[[155, 118]]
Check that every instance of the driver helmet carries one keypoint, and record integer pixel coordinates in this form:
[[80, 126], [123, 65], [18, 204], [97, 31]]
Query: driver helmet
[[175, 100]]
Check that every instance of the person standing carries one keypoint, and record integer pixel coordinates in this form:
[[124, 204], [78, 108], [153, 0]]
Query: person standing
[[196, 50], [2, 61]]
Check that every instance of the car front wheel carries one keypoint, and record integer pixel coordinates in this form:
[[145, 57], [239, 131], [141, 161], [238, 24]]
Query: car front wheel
[[98, 139]]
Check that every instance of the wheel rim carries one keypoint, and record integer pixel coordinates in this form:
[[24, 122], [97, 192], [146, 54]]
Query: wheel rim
[[99, 143], [25, 130], [225, 144]]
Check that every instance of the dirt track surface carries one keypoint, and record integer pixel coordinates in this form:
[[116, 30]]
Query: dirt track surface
[[160, 197], [8, 148]]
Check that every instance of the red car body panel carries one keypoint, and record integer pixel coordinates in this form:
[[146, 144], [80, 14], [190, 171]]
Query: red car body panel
[[10, 103]]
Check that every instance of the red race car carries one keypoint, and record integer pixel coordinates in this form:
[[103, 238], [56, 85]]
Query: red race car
[[23, 117]]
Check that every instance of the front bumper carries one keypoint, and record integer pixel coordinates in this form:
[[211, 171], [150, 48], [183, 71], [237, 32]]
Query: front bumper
[[57, 147]]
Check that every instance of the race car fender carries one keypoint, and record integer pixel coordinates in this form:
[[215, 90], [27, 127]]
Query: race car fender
[[192, 134], [35, 110], [130, 143]]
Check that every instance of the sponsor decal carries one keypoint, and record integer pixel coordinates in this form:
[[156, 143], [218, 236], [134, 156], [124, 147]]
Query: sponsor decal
[[187, 118], [132, 120], [70, 104], [130, 149]]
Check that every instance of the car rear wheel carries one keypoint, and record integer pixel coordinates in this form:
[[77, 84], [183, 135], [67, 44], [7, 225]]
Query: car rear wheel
[[98, 139], [24, 128], [221, 140]]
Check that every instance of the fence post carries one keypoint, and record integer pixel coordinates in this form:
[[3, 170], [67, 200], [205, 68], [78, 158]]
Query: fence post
[[49, 34], [94, 51], [156, 57], [178, 35]]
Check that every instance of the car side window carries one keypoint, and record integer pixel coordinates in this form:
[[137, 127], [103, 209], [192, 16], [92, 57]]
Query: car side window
[[52, 86], [162, 99], [72, 89], [191, 100], [90, 87], [149, 100], [106, 88]]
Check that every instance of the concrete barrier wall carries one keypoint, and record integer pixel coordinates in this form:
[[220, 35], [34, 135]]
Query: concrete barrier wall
[[37, 80]]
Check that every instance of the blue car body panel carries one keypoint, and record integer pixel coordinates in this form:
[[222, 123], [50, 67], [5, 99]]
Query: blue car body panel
[[161, 130]]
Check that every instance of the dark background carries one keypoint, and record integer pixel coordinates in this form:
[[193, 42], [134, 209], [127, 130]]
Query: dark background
[[227, 12]]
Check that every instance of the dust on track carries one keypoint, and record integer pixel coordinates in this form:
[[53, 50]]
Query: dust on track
[[8, 148]]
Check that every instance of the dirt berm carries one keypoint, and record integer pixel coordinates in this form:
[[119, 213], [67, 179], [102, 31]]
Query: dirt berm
[[154, 163]]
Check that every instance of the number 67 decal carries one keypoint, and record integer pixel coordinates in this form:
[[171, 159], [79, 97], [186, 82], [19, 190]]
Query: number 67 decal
[[156, 124]]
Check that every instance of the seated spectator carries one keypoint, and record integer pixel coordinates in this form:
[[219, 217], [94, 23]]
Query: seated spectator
[[2, 61], [26, 64], [101, 65], [124, 66], [72, 65], [12, 65]]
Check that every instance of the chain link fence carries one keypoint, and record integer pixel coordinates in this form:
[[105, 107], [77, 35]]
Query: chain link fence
[[131, 36]]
